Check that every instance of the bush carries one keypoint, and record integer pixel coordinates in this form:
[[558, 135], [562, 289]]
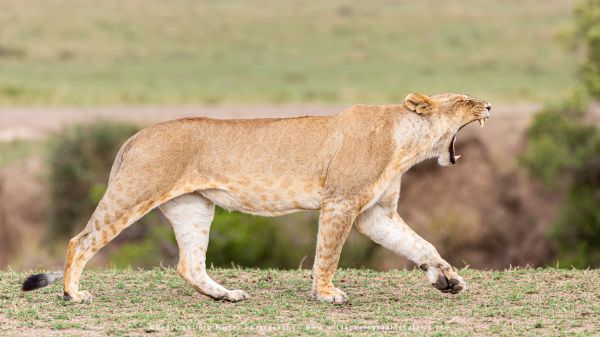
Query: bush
[[563, 148], [253, 241], [564, 152], [557, 141]]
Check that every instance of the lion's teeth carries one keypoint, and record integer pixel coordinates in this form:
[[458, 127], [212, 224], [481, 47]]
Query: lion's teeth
[[481, 122], [457, 157]]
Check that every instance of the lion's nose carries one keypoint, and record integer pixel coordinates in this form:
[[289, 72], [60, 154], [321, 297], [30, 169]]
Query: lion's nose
[[488, 106]]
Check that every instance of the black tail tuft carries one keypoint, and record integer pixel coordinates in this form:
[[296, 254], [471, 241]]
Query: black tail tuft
[[35, 281]]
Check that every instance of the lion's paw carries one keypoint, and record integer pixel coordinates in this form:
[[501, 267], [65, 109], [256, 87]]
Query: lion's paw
[[446, 279], [78, 296], [332, 295], [235, 296]]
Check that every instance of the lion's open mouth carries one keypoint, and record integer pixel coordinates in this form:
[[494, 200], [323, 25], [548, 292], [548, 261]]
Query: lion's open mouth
[[453, 156]]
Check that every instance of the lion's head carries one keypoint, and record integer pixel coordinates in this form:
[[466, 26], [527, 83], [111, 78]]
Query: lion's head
[[448, 113]]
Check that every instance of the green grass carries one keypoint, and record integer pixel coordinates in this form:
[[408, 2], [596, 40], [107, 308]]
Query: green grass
[[541, 302], [83, 52]]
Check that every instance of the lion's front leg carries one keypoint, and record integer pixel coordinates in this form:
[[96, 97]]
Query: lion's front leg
[[394, 234], [335, 222]]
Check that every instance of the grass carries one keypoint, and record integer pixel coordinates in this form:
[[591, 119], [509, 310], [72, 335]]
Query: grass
[[81, 52], [540, 302]]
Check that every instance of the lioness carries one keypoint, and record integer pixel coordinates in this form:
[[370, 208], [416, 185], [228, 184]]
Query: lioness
[[348, 166]]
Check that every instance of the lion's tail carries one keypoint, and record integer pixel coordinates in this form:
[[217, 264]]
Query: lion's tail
[[37, 281]]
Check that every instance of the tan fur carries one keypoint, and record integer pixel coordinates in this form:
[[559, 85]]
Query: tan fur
[[348, 166]]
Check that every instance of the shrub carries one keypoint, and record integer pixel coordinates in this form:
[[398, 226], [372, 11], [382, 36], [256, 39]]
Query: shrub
[[563, 148], [564, 152], [557, 141]]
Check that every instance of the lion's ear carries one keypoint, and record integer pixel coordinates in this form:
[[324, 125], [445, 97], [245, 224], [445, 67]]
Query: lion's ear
[[419, 103]]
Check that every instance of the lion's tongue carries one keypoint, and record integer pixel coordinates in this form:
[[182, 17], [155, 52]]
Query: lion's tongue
[[452, 153]]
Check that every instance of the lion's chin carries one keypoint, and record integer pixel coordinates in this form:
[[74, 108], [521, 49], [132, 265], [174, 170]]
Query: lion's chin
[[444, 161]]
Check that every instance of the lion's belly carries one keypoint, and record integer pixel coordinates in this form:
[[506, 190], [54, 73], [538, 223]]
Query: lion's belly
[[265, 202]]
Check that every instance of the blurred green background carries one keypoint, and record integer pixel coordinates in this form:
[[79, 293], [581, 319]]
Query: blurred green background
[[74, 56]]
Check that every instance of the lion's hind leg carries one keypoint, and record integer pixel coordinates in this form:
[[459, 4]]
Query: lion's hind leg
[[109, 219], [191, 216]]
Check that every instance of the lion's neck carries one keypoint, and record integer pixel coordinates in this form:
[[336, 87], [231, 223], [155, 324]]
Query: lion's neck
[[419, 139]]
